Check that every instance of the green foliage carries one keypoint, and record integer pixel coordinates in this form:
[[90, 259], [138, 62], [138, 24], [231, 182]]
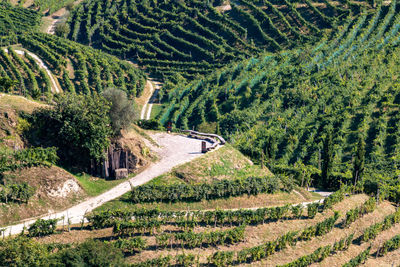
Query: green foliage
[[359, 259], [6, 84], [389, 245], [131, 245], [185, 259], [359, 161], [336, 197], [279, 108], [320, 228], [50, 6], [93, 69], [188, 219], [22, 251], [221, 258], [151, 124], [89, 253], [353, 214], [160, 261], [42, 227], [20, 192], [321, 253], [189, 38], [121, 111], [312, 210], [197, 192], [192, 240], [15, 20], [76, 125], [26, 158], [129, 228], [327, 160], [249, 255], [61, 30], [371, 232]]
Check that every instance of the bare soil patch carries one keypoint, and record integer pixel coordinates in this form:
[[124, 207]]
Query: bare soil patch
[[56, 189]]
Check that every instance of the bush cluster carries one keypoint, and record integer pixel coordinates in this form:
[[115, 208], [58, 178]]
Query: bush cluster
[[197, 192]]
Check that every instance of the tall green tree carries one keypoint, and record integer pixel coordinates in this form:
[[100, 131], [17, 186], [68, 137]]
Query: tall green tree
[[122, 112], [327, 159], [359, 161], [78, 125]]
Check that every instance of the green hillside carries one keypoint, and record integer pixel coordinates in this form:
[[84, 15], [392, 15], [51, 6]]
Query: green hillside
[[195, 37], [15, 20], [280, 107], [76, 68], [305, 93]]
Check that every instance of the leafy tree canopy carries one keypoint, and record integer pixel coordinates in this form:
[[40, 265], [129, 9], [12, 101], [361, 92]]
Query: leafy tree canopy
[[121, 112], [78, 125]]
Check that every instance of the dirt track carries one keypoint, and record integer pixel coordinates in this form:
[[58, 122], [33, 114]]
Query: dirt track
[[146, 109], [174, 150]]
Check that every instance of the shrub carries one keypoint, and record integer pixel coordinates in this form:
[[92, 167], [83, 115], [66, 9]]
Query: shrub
[[151, 124], [197, 192], [42, 227], [89, 253]]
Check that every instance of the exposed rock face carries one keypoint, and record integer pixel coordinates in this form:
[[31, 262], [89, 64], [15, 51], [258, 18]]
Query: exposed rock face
[[69, 186], [126, 155]]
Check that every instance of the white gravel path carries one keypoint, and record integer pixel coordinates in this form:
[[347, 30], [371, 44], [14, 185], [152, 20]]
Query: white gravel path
[[143, 114], [42, 65], [174, 150]]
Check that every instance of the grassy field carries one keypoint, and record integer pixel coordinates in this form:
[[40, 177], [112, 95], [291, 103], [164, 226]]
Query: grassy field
[[95, 186], [225, 163], [19, 103]]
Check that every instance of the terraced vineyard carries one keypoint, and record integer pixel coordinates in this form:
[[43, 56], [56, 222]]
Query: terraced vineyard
[[75, 67], [281, 236], [280, 107], [16, 20], [194, 38], [308, 90]]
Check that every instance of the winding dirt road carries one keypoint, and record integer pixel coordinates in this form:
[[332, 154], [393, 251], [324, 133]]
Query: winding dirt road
[[54, 86], [173, 150]]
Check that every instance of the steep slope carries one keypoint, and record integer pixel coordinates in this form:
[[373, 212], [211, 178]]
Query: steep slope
[[54, 188], [74, 67], [279, 108], [195, 37]]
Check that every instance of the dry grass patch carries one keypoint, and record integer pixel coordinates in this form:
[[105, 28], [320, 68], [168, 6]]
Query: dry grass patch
[[144, 98], [305, 248], [18, 103], [75, 235]]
